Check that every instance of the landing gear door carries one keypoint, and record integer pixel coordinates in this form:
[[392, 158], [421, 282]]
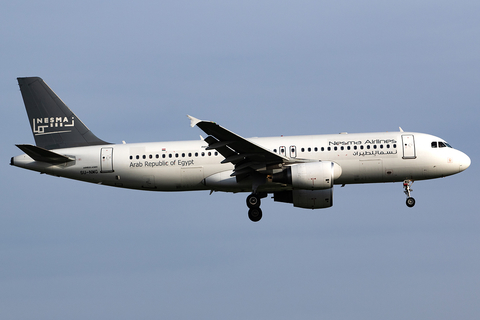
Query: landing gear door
[[408, 146], [106, 160]]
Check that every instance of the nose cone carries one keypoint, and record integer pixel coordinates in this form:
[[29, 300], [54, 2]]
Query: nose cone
[[464, 161]]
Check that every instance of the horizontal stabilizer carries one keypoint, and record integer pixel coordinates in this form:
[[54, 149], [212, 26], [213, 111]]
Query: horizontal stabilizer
[[43, 155]]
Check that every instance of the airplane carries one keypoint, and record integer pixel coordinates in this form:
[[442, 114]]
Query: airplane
[[300, 170]]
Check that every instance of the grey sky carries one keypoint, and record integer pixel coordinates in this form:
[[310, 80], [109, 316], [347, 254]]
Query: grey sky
[[133, 70]]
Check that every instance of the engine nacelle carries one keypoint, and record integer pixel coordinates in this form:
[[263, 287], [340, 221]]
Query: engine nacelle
[[308, 199], [310, 175]]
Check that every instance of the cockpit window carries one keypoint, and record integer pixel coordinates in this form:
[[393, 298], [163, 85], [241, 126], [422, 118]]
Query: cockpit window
[[440, 144]]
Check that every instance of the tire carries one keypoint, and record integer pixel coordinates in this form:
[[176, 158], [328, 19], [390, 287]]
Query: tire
[[255, 214], [253, 201], [410, 202]]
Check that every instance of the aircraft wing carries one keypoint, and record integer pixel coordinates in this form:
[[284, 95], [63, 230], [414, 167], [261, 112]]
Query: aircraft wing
[[244, 154]]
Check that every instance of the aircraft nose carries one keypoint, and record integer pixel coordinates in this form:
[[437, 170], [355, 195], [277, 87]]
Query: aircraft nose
[[464, 161]]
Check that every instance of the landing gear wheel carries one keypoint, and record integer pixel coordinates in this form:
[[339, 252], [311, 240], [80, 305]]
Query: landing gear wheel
[[255, 214], [410, 202], [253, 201], [407, 184]]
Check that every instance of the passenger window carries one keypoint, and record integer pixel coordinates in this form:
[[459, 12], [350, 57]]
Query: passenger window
[[150, 156], [144, 156], [434, 144], [196, 154], [131, 157], [316, 149], [323, 149], [163, 155]]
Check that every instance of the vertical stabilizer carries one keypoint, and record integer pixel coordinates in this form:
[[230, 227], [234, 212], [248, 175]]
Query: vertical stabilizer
[[54, 125]]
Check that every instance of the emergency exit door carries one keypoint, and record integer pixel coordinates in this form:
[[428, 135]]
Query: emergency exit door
[[293, 151]]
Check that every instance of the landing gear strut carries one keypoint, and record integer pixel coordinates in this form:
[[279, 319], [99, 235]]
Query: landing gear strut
[[407, 186], [253, 204]]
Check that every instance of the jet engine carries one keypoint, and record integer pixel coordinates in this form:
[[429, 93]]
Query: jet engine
[[312, 184], [310, 175]]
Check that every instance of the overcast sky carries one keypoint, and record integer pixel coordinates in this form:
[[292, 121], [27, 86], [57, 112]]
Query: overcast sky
[[133, 70]]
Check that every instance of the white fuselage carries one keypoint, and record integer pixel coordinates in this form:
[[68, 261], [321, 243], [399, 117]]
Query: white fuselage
[[187, 165]]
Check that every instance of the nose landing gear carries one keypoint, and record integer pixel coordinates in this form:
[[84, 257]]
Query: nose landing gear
[[253, 204], [407, 186]]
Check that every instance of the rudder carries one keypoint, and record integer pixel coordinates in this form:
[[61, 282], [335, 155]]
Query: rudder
[[53, 124]]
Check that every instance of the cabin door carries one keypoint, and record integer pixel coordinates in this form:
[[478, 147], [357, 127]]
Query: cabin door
[[408, 146], [106, 160]]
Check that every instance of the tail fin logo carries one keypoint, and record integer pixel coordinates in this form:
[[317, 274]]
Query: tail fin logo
[[52, 125]]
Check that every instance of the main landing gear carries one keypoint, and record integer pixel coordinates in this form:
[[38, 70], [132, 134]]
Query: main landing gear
[[253, 204], [407, 186]]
